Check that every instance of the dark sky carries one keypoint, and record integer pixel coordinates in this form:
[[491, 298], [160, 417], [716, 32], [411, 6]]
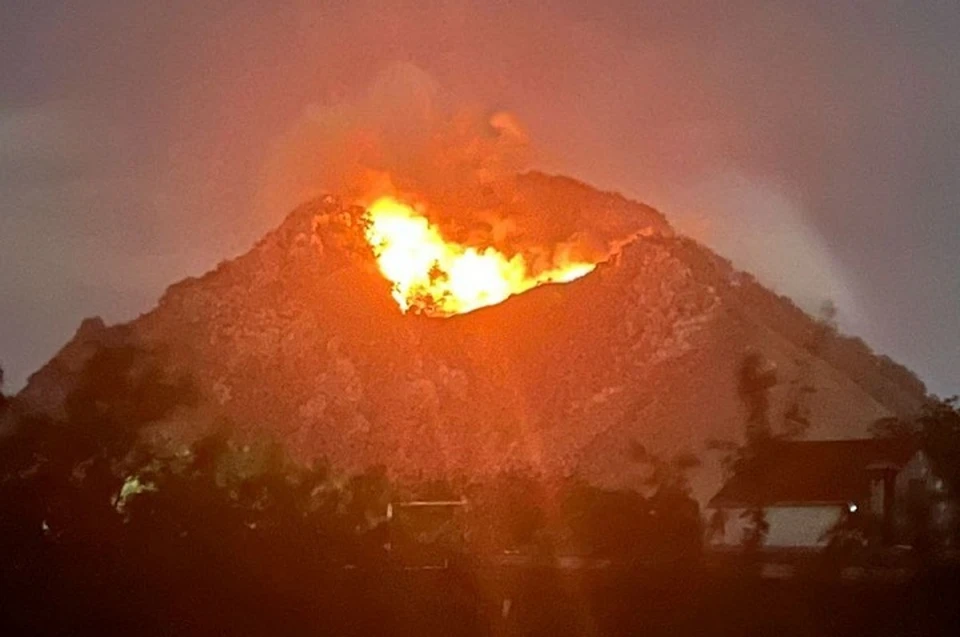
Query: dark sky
[[817, 147]]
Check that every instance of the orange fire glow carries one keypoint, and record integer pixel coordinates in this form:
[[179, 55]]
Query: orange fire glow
[[441, 277]]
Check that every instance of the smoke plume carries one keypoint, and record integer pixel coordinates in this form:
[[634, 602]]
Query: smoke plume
[[402, 137]]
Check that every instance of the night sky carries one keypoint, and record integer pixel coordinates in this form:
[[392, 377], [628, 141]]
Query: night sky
[[817, 148]]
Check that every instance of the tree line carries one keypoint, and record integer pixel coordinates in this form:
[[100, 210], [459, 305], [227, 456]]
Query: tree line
[[96, 522]]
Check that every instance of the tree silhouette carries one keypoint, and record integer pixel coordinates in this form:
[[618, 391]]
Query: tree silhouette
[[755, 377], [939, 425]]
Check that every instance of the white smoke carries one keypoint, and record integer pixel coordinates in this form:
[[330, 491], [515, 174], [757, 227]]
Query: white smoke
[[759, 224], [399, 135]]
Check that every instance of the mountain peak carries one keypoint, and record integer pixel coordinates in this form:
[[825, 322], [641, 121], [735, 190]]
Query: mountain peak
[[300, 338]]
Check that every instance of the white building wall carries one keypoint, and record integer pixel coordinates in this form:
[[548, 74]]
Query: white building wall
[[790, 526]]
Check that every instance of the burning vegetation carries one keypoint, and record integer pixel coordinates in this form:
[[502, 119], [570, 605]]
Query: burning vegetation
[[452, 226], [442, 277]]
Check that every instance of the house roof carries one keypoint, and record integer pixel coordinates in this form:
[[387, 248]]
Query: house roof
[[813, 471]]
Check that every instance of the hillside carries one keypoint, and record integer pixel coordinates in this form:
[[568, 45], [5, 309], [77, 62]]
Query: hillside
[[300, 338]]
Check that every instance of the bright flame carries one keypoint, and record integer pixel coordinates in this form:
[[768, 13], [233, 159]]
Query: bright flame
[[443, 277]]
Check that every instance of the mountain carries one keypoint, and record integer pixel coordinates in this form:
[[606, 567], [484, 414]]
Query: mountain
[[301, 339]]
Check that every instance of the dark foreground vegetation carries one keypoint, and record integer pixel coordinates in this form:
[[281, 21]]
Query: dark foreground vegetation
[[200, 595], [103, 533]]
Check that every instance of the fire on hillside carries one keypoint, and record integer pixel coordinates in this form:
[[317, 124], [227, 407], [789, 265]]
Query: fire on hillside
[[441, 277]]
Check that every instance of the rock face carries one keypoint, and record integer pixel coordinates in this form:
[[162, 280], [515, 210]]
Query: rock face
[[301, 339]]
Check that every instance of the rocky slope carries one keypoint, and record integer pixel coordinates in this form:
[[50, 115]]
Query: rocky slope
[[300, 338]]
